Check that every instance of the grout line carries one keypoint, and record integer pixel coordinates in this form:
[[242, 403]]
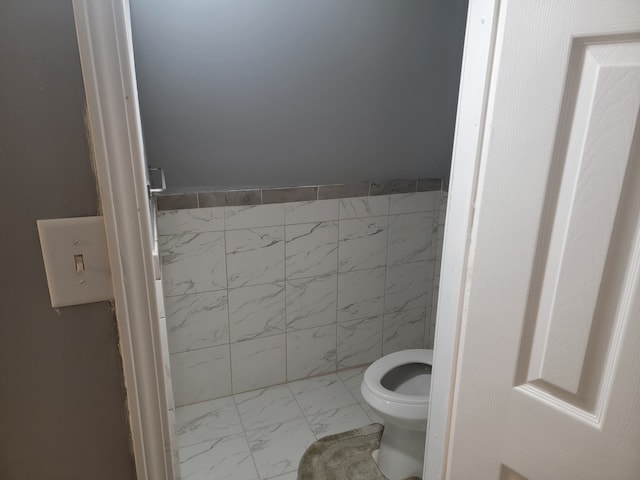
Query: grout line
[[302, 411], [384, 297], [226, 267], [337, 284], [286, 326]]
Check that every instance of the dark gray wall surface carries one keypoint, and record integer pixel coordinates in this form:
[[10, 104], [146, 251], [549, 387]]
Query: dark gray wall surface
[[290, 92], [62, 399]]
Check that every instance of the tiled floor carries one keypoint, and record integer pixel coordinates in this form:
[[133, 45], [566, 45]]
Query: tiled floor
[[262, 434]]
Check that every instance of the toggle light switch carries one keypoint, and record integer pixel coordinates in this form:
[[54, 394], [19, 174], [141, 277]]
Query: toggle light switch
[[76, 260], [79, 260]]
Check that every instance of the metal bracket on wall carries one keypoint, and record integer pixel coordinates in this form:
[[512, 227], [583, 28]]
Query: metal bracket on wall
[[156, 182]]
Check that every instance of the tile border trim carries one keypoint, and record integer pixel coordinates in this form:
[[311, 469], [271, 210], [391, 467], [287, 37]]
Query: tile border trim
[[270, 195]]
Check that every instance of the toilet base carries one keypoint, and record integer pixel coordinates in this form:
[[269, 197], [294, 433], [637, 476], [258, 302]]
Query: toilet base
[[401, 453]]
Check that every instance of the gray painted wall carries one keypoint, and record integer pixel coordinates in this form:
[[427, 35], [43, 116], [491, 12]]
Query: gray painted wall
[[62, 400], [289, 92]]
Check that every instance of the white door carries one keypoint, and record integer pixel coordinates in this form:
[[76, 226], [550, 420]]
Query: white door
[[548, 376]]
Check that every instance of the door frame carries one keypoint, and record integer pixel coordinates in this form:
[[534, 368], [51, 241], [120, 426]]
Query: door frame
[[475, 82], [106, 54]]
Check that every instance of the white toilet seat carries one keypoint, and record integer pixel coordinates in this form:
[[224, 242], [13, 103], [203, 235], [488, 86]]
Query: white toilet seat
[[378, 369]]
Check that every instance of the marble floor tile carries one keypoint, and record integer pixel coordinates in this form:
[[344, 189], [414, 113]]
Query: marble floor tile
[[371, 414], [286, 476], [207, 421], [277, 449], [226, 458], [352, 377], [338, 420], [321, 394], [268, 406]]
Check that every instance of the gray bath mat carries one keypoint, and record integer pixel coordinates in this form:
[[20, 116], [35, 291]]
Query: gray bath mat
[[345, 456]]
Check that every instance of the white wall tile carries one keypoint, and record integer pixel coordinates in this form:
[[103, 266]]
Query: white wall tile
[[192, 220], [192, 263], [311, 212], [414, 202], [408, 286], [429, 328], [439, 241], [160, 299], [311, 352], [385, 264], [256, 311], [361, 294], [197, 320], [254, 216], [362, 243], [410, 238], [364, 207], [311, 302], [258, 363], [403, 330], [359, 342], [311, 249], [201, 375], [166, 364], [443, 199], [255, 256]]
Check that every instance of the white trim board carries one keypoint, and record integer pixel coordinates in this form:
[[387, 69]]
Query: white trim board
[[107, 63], [474, 90], [106, 55]]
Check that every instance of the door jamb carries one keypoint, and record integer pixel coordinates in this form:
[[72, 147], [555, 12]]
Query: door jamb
[[472, 102], [104, 38], [106, 56]]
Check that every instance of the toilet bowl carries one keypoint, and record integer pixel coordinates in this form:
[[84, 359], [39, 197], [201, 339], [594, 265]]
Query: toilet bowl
[[397, 388]]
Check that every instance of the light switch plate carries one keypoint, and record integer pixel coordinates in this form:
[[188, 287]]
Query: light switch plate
[[76, 260]]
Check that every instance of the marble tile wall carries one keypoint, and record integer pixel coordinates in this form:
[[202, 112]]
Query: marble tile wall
[[171, 445], [263, 294], [439, 220]]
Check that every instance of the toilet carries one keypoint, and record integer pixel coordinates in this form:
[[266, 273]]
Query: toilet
[[397, 388]]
